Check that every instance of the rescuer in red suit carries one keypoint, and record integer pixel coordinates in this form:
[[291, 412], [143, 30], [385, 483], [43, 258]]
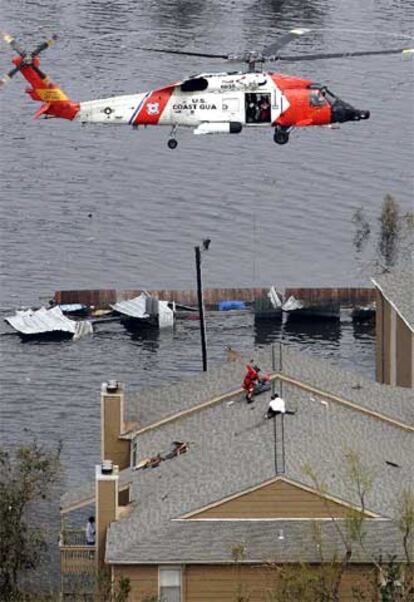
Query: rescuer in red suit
[[250, 380]]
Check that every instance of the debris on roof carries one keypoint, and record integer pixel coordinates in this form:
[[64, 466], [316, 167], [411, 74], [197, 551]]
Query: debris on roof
[[176, 449], [43, 321]]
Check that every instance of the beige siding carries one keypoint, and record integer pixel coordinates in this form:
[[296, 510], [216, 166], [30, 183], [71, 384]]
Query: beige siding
[[387, 342], [379, 337], [224, 583], [394, 346], [113, 448], [143, 580], [106, 502], [404, 354], [209, 583], [277, 500]]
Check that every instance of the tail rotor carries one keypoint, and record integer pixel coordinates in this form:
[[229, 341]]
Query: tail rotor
[[24, 58]]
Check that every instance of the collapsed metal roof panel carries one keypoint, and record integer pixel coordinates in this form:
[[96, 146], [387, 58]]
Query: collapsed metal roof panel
[[43, 320], [133, 308], [146, 307]]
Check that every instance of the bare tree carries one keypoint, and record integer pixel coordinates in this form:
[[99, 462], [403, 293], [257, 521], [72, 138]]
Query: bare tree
[[394, 236], [389, 231], [26, 476]]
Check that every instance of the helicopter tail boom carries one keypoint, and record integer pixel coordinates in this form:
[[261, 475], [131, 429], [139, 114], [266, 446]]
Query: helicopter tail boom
[[56, 102]]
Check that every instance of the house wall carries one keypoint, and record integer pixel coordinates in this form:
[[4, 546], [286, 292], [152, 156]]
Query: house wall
[[222, 583], [379, 337], [276, 500], [394, 346], [405, 352], [143, 580]]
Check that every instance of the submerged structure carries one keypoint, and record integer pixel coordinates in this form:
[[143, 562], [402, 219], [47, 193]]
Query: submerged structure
[[146, 310], [47, 322]]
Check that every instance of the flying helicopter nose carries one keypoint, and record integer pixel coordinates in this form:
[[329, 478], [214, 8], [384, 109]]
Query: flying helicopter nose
[[342, 111]]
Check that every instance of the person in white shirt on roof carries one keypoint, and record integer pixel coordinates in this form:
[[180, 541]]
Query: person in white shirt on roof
[[277, 406]]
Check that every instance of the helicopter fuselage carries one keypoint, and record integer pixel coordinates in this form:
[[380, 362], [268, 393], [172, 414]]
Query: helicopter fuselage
[[214, 99], [226, 103], [208, 103]]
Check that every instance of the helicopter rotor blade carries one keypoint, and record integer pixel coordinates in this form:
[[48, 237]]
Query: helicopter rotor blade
[[185, 53], [293, 34], [12, 43], [7, 76], [44, 45], [335, 55]]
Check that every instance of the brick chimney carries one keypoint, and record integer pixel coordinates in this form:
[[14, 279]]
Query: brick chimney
[[106, 492], [112, 425]]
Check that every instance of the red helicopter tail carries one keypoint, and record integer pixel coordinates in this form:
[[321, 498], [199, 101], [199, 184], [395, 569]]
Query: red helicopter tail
[[56, 103]]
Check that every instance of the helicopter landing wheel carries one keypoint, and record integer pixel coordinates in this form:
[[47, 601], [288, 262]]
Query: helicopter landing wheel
[[172, 143], [281, 135]]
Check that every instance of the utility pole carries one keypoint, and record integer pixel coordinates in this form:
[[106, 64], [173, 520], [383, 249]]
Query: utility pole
[[201, 305]]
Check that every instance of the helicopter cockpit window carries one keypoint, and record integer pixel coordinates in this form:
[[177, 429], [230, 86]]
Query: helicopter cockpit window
[[317, 98], [197, 84]]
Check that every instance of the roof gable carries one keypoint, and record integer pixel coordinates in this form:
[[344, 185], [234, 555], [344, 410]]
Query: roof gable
[[279, 498]]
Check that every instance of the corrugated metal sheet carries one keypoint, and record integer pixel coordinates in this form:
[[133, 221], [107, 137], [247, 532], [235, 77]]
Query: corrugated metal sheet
[[41, 321], [292, 304], [134, 308], [146, 307]]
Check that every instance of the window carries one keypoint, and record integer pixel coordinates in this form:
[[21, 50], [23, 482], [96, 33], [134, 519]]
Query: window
[[197, 84], [317, 99], [134, 453], [170, 584]]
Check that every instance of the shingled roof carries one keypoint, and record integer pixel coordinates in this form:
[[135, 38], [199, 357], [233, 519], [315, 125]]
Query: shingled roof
[[279, 541], [398, 289], [232, 449], [158, 402]]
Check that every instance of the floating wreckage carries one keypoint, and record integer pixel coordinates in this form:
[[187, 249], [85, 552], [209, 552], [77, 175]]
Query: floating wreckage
[[273, 306], [298, 309], [364, 314], [45, 322], [268, 307], [146, 310]]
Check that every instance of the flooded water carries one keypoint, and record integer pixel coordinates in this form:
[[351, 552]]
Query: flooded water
[[91, 207]]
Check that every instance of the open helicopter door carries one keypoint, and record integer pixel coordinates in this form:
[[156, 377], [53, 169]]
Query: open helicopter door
[[258, 108]]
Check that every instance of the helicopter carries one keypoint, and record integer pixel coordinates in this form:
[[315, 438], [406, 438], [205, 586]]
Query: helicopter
[[210, 103]]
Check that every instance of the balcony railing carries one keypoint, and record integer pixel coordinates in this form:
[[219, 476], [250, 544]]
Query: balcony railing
[[75, 556], [77, 560]]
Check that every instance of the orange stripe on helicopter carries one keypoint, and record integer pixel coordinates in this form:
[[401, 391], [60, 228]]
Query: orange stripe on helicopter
[[153, 106]]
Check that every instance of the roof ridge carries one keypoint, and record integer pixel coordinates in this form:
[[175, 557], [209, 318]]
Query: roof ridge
[[273, 377], [345, 402]]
